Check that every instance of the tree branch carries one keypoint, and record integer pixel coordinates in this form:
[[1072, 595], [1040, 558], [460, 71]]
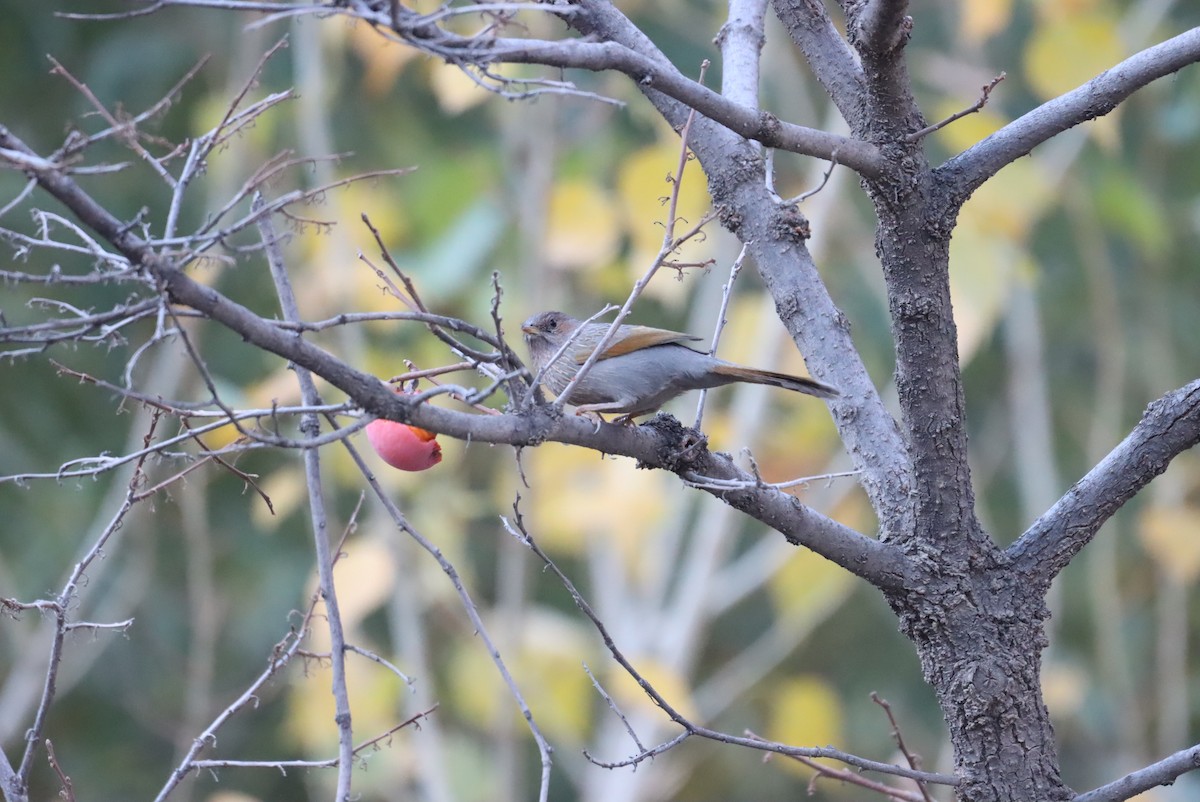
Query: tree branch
[[964, 173], [472, 610], [310, 426], [746, 121], [663, 446], [741, 40], [882, 26], [775, 235], [827, 53], [517, 529], [1169, 426], [1163, 772], [878, 30], [639, 59]]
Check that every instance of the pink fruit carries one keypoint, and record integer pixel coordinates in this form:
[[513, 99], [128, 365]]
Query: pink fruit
[[402, 446]]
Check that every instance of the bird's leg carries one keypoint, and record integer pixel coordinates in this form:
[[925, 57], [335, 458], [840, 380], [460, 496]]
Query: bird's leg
[[619, 405]]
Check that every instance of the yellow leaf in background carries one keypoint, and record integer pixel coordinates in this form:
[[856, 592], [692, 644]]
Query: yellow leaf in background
[[384, 59], [363, 577], [333, 277], [558, 690], [749, 324], [579, 495], [205, 270], [582, 229], [1067, 52], [642, 185], [1128, 206], [966, 131], [285, 487], [981, 19], [989, 250], [219, 438], [1009, 204], [1065, 688], [455, 91], [855, 511], [804, 711], [374, 696], [277, 388], [1154, 795], [231, 796], [1069, 9], [380, 199], [546, 665], [1106, 130], [630, 697], [807, 587], [982, 269], [473, 689], [1171, 535]]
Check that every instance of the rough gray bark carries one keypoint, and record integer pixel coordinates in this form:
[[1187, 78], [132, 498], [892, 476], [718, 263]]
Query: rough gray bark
[[977, 623]]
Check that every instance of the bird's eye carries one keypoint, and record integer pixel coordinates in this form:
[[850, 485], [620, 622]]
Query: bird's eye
[[551, 324]]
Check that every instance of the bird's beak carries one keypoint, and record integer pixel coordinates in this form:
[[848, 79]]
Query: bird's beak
[[529, 329]]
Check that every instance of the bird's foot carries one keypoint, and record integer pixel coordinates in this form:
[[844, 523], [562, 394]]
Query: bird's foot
[[595, 417]]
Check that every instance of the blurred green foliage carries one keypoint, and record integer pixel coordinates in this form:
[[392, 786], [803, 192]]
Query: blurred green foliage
[[1099, 228]]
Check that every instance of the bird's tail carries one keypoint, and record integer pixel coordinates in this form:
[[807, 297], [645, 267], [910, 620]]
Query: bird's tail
[[800, 384]]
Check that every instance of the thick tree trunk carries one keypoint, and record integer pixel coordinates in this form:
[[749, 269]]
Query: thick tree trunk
[[980, 641], [977, 628]]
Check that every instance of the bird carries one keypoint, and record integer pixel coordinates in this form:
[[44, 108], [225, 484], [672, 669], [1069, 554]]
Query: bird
[[640, 369]]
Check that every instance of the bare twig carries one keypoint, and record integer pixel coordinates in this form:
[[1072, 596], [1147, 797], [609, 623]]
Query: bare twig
[[126, 132], [612, 705], [1169, 426], [60, 608], [77, 145], [706, 483], [68, 789], [516, 528], [410, 297], [968, 170], [803, 196], [310, 424], [81, 327], [19, 197], [670, 245], [333, 762], [726, 294], [848, 777], [979, 104], [913, 760], [281, 655], [372, 656], [468, 604], [97, 465]]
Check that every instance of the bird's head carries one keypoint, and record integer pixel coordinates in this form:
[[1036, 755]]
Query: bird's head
[[548, 329]]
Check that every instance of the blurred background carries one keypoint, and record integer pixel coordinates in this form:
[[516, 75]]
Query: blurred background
[[1077, 290]]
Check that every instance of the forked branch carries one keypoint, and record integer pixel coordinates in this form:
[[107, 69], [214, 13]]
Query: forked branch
[[967, 171], [1169, 426]]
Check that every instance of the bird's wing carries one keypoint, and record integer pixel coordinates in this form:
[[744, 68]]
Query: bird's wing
[[635, 338]]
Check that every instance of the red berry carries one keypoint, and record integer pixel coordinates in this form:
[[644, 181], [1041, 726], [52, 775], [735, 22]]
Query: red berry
[[402, 446]]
